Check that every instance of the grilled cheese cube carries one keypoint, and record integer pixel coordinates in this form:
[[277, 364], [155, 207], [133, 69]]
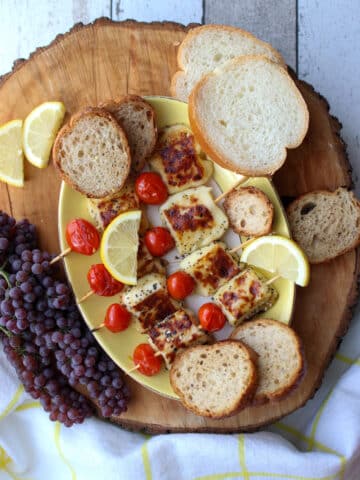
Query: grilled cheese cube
[[149, 301], [193, 219], [244, 296], [174, 333], [211, 267], [146, 263], [179, 160]]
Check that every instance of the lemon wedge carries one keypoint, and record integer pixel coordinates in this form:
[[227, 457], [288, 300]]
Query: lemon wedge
[[11, 153], [40, 129], [119, 246], [280, 256]]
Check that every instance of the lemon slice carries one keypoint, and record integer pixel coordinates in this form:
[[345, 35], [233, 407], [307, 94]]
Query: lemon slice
[[119, 246], [280, 256], [11, 153], [40, 129]]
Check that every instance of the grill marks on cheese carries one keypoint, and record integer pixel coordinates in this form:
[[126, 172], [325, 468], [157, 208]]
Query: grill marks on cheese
[[193, 219], [211, 267], [244, 296], [149, 301], [179, 159], [174, 333]]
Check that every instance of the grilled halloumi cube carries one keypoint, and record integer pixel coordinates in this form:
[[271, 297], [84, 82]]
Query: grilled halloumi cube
[[149, 301], [211, 267], [179, 160], [174, 333], [244, 296], [103, 210], [146, 263], [193, 219]]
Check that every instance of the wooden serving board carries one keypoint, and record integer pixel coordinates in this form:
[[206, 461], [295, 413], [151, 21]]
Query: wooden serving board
[[103, 60]]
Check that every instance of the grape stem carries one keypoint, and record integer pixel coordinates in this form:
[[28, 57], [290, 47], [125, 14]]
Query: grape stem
[[6, 332], [5, 275]]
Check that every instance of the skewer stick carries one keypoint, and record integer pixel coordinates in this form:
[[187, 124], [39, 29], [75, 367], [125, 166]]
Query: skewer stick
[[85, 297], [242, 245], [220, 197], [273, 279], [136, 367], [61, 255], [93, 330]]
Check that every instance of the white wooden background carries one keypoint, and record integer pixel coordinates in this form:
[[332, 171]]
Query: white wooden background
[[320, 39]]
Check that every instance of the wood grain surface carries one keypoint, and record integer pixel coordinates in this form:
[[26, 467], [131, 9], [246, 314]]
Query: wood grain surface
[[100, 61]]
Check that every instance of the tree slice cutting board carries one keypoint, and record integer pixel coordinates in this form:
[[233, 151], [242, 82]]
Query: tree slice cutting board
[[103, 60]]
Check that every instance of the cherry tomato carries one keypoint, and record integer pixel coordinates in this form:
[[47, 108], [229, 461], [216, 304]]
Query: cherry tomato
[[159, 241], [150, 188], [82, 236], [180, 285], [101, 282], [144, 356], [117, 318], [211, 317]]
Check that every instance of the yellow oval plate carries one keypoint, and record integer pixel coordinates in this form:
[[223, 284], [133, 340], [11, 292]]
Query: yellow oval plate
[[120, 346]]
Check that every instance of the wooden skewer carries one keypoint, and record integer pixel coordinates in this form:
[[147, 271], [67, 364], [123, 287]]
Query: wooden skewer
[[242, 245], [91, 292], [136, 367], [220, 197], [61, 255], [273, 279], [93, 330]]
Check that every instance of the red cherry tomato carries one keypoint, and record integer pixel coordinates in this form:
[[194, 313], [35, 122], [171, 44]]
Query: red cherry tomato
[[159, 241], [117, 318], [82, 236], [144, 356], [180, 285], [150, 188], [101, 282], [211, 317]]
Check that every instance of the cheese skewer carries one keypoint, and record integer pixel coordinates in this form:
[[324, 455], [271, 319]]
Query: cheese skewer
[[226, 192], [136, 367]]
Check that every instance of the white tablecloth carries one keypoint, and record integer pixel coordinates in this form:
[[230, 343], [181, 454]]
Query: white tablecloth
[[320, 441]]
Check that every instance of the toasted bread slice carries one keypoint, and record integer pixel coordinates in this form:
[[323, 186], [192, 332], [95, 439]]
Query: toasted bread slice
[[325, 224], [281, 361], [137, 118], [208, 47], [216, 380], [92, 153], [246, 114], [249, 211]]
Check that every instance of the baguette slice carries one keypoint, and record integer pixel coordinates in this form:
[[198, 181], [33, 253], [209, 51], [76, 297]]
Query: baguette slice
[[216, 380], [137, 118], [249, 211], [280, 363], [246, 114], [92, 153], [208, 47], [325, 224]]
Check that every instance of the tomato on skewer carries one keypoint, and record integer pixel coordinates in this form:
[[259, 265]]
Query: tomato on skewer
[[151, 189], [211, 317], [82, 236], [146, 361], [180, 285], [117, 318], [101, 282], [159, 241]]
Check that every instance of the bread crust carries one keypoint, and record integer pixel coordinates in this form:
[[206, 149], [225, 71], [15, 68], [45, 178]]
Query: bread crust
[[298, 374], [307, 197], [67, 128], [235, 195], [205, 140], [246, 397], [112, 106], [213, 27]]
